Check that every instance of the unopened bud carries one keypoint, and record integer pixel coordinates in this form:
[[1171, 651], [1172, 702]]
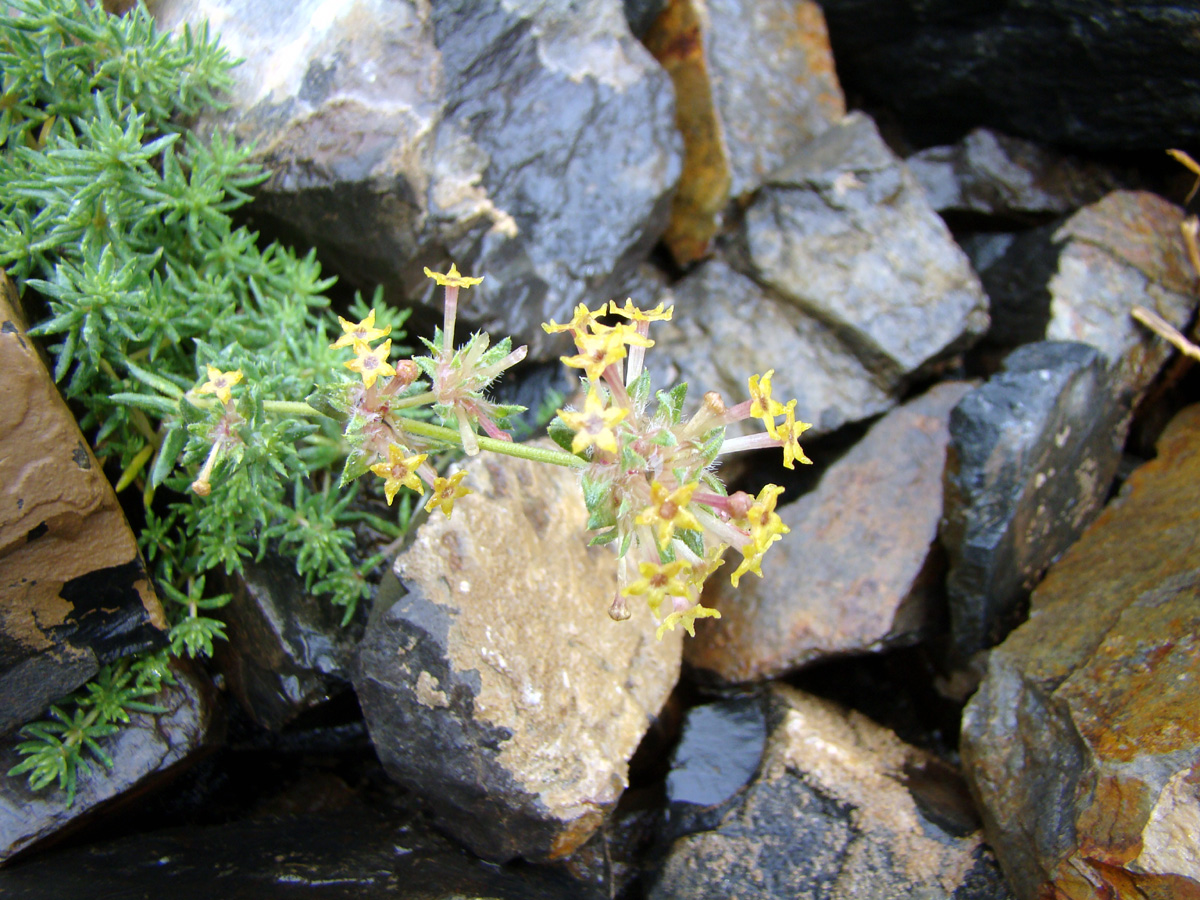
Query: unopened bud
[[202, 487], [714, 404], [619, 611], [739, 504]]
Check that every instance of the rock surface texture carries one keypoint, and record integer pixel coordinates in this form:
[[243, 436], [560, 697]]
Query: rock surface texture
[[1088, 73], [1032, 455], [753, 82], [859, 570], [837, 811], [74, 593], [1083, 743], [533, 143], [845, 232], [498, 689]]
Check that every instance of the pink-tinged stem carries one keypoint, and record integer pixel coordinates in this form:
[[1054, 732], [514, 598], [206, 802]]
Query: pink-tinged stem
[[738, 412], [448, 321], [750, 442], [712, 501], [612, 377]]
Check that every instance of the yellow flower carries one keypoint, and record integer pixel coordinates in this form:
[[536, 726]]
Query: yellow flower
[[789, 433], [360, 332], [399, 472], [596, 353], [219, 383], [626, 334], [371, 363], [686, 618], [452, 278], [762, 406], [668, 511], [659, 581], [582, 320], [629, 311], [445, 492], [594, 426]]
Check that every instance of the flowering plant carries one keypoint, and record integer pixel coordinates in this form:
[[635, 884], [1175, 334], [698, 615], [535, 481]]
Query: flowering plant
[[647, 471]]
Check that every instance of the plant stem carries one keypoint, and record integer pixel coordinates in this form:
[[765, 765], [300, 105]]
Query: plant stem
[[508, 448]]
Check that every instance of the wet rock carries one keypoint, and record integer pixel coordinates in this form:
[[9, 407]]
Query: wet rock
[[845, 232], [287, 650], [727, 328], [498, 689], [1083, 743], [841, 808], [74, 594], [1123, 251], [146, 753], [859, 570], [360, 854], [1032, 455], [993, 174], [1085, 73], [533, 145], [724, 57]]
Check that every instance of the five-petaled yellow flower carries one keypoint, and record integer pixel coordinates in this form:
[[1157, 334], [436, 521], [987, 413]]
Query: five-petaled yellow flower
[[399, 472], [220, 382], [668, 511], [596, 353], [762, 406], [594, 426], [789, 434], [452, 278], [629, 311], [660, 581], [687, 618], [363, 332], [370, 362], [580, 321], [446, 491]]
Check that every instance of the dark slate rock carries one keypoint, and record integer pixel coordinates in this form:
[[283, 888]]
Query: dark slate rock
[[832, 814], [351, 855], [1016, 270], [845, 232], [992, 174], [1087, 73], [533, 145], [1032, 455], [727, 328], [287, 650], [146, 753], [1083, 742]]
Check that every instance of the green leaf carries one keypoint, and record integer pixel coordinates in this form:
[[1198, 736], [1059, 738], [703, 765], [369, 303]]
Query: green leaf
[[161, 406], [670, 404], [605, 537], [561, 434], [692, 539]]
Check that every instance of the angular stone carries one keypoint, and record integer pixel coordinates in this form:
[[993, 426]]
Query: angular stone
[[498, 689], [841, 808], [1083, 742], [531, 144], [1032, 456], [845, 232], [145, 753], [994, 174], [287, 650], [727, 328], [858, 571], [724, 57], [1123, 251], [74, 594], [1015, 270], [1091, 74]]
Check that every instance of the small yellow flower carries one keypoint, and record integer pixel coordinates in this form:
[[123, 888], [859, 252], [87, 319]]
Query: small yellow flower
[[629, 311], [370, 362], [765, 529], [789, 433], [360, 332], [668, 511], [594, 426], [596, 353], [446, 491], [452, 278], [686, 618], [399, 472], [582, 320], [762, 406], [660, 581], [219, 383]]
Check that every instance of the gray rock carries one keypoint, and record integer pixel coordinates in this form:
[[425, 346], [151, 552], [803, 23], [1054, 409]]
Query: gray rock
[[498, 689], [845, 232], [993, 174], [1016, 270], [727, 328], [145, 753], [859, 570], [841, 808], [530, 143], [1087, 73], [1032, 455]]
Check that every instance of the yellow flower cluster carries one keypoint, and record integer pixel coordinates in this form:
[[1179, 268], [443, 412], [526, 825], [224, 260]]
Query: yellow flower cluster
[[369, 362]]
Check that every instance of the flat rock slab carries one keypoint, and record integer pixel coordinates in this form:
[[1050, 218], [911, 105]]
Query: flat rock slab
[[74, 593], [1083, 742], [145, 753], [1032, 456], [858, 571], [498, 689], [845, 232], [841, 809]]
